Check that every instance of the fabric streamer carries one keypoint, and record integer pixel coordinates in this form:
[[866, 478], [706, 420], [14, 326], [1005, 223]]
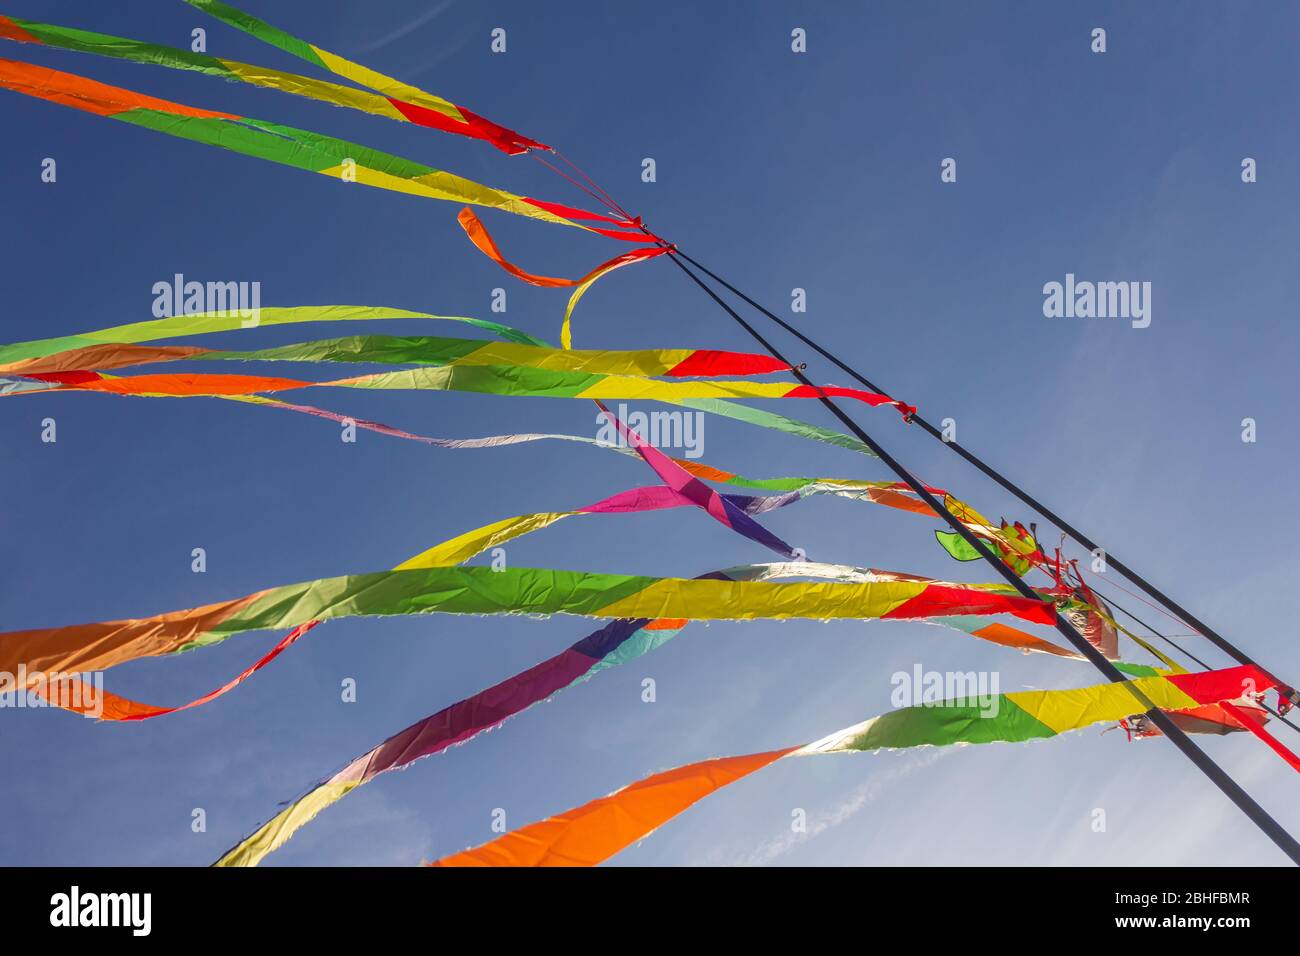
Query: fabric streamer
[[430, 111], [185, 324], [484, 242], [482, 590], [671, 473], [616, 643], [607, 647], [893, 494], [399, 101], [435, 350], [744, 413], [417, 350], [1208, 719], [592, 833], [198, 323], [465, 546], [1007, 636], [468, 378], [454, 551], [667, 469], [643, 612], [414, 104], [434, 112], [511, 380], [628, 258], [458, 549], [1252, 718], [17, 386], [286, 145], [776, 422], [691, 489], [682, 490], [113, 707]]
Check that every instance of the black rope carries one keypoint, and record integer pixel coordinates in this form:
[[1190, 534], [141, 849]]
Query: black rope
[[1191, 620], [1170, 641], [1257, 814], [1141, 623]]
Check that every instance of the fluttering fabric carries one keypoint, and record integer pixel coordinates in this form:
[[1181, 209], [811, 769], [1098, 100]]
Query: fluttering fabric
[[183, 325], [592, 833], [414, 104], [611, 645], [513, 380], [645, 611], [480, 590], [466, 546], [484, 242], [418, 350], [113, 707], [431, 111], [106, 705], [200, 323], [680, 488], [286, 145]]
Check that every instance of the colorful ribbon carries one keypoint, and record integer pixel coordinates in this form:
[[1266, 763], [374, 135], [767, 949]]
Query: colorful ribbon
[[616, 643], [417, 350], [433, 112], [412, 103], [510, 380], [480, 590], [286, 145], [592, 833]]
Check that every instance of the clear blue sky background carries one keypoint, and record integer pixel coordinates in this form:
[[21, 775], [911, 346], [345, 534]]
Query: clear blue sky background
[[779, 170]]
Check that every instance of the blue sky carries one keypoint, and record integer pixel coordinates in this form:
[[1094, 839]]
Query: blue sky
[[818, 171]]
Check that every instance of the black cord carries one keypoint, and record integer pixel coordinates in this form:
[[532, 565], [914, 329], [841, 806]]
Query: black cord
[[1244, 802], [1186, 653], [1205, 630]]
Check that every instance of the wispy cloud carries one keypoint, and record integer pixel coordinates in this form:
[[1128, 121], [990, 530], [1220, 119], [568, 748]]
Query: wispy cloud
[[431, 14], [859, 798]]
